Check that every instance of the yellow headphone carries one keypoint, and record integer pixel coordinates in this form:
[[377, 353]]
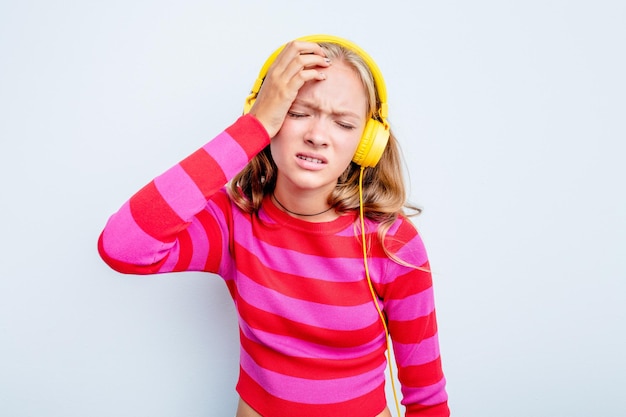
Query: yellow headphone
[[376, 132]]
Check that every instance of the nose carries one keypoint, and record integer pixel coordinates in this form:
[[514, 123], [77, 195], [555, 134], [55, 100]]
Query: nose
[[317, 133]]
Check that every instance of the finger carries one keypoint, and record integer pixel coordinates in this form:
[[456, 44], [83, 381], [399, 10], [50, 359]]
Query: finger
[[291, 65], [302, 47], [302, 77], [290, 76], [305, 54], [303, 67]]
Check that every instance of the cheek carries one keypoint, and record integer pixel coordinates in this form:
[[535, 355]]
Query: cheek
[[351, 145], [279, 149], [347, 150], [275, 148], [280, 141]]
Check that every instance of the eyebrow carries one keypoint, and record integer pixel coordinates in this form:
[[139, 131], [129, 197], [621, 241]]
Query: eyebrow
[[315, 107]]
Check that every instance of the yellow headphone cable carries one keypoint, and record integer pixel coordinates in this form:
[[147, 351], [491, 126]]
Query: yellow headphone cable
[[373, 292]]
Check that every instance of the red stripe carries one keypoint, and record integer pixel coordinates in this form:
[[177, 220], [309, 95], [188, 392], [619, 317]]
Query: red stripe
[[406, 231], [411, 283], [336, 246], [308, 289], [211, 227], [241, 131], [419, 376], [346, 245], [185, 251], [232, 289], [204, 171], [404, 331], [417, 410], [312, 368], [259, 319], [144, 207]]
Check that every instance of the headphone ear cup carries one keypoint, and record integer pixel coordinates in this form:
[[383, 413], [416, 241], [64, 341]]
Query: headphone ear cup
[[372, 145]]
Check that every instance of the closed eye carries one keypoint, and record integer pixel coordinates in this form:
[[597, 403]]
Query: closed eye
[[346, 126], [296, 115]]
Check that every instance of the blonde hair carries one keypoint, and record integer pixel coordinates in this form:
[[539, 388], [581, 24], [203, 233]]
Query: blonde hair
[[384, 193]]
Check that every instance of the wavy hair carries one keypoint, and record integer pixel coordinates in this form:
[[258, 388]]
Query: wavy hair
[[384, 192]]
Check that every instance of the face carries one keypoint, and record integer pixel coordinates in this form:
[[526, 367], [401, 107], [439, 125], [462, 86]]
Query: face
[[321, 132]]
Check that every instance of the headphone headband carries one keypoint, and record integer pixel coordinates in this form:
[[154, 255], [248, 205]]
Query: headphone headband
[[379, 82]]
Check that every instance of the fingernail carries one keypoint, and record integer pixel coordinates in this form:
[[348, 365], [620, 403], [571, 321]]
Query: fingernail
[[327, 60], [323, 75]]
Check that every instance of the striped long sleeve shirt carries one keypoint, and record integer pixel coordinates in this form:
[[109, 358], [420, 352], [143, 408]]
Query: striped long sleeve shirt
[[312, 343]]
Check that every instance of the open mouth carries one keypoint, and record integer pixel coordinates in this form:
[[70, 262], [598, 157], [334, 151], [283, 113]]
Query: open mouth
[[310, 159]]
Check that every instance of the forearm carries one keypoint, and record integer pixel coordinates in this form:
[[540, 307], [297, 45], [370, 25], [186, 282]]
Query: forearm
[[139, 237], [413, 326], [410, 307]]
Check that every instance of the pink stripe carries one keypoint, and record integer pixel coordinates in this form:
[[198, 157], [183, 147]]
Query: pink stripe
[[293, 262], [295, 347], [200, 243], [180, 192], [124, 240], [416, 354], [313, 314], [371, 227], [228, 154], [394, 227], [395, 270], [226, 268], [354, 229], [411, 307], [312, 391], [414, 252], [430, 395], [172, 259]]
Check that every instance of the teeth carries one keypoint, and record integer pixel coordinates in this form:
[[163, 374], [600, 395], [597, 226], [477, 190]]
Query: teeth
[[309, 159]]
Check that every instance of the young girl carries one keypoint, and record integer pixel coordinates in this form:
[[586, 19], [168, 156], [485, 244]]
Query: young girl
[[272, 205]]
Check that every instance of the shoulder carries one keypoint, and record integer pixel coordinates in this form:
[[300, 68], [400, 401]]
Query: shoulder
[[400, 233], [404, 241]]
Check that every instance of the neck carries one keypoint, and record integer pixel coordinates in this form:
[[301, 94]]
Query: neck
[[296, 213]]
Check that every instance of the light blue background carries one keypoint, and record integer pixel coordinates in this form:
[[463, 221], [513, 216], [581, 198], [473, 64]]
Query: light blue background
[[511, 115]]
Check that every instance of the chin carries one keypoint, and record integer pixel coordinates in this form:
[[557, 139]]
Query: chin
[[312, 185]]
